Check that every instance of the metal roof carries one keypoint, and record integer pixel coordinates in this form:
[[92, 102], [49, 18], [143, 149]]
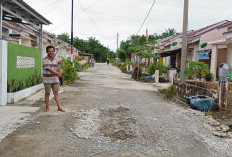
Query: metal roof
[[20, 12]]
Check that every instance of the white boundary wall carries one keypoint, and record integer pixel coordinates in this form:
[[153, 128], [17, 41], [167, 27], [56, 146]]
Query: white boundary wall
[[16, 96], [3, 72]]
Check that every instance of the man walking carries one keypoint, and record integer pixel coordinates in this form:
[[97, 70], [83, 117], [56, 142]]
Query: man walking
[[51, 77]]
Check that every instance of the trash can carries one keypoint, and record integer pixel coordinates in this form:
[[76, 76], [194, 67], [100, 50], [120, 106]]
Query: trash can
[[201, 102], [223, 70]]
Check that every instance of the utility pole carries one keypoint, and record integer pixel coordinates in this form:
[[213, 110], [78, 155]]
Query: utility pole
[[1, 16], [184, 42], [117, 46], [72, 35]]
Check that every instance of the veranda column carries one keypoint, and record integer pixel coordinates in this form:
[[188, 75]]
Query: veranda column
[[1, 15], [41, 46], [229, 55], [213, 67], [3, 72]]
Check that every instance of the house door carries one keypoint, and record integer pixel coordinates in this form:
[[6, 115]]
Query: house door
[[173, 61]]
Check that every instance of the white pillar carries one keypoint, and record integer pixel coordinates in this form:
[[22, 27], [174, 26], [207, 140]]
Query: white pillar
[[156, 76], [3, 72], [213, 67], [195, 55], [229, 55]]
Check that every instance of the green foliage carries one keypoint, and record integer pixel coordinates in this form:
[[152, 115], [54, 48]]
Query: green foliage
[[123, 68], [81, 58], [170, 92], [129, 63], [69, 72], [135, 74], [114, 63], [122, 55], [136, 40], [197, 70], [85, 66], [77, 65], [80, 44], [64, 37], [158, 66], [168, 32], [208, 75], [17, 85]]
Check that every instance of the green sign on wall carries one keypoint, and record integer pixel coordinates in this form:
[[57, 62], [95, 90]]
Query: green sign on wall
[[174, 43]]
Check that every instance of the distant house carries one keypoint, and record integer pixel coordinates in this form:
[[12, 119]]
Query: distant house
[[199, 47], [22, 38], [222, 48], [29, 36]]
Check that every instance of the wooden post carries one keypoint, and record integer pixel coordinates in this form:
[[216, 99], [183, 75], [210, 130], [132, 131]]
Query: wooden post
[[157, 76], [219, 95], [1, 16], [184, 42], [223, 95], [226, 95]]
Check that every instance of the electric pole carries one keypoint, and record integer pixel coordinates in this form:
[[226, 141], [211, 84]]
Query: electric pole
[[184, 42], [72, 35], [117, 46]]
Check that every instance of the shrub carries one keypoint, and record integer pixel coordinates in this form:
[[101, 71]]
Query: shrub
[[123, 68], [78, 66], [81, 58], [85, 66], [14, 85], [197, 70], [158, 66], [114, 63], [170, 92], [135, 72], [69, 72]]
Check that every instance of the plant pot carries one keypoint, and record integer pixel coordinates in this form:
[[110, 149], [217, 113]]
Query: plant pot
[[208, 79], [161, 79]]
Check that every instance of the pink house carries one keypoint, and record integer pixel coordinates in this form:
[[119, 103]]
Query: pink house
[[199, 47]]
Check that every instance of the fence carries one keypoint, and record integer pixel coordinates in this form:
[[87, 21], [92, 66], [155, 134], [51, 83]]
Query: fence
[[220, 95], [23, 66]]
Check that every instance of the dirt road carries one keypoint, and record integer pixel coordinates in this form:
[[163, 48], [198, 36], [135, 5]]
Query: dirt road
[[109, 114]]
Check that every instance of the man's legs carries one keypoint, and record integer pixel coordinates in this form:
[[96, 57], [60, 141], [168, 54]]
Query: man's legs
[[47, 101], [55, 89], [58, 101], [47, 88]]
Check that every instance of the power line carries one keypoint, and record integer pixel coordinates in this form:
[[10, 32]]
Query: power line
[[90, 18], [54, 6], [50, 6], [146, 17], [65, 22]]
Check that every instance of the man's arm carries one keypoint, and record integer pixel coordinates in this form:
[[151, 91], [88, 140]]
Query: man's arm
[[54, 72]]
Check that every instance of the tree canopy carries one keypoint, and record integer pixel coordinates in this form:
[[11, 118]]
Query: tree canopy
[[64, 37], [90, 46], [138, 44]]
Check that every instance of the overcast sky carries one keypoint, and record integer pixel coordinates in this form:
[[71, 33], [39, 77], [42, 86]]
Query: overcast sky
[[103, 19]]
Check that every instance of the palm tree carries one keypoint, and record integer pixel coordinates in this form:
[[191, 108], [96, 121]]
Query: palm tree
[[169, 32]]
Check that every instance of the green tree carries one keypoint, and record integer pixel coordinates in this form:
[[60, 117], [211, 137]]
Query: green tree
[[80, 44], [122, 55], [64, 37], [169, 32]]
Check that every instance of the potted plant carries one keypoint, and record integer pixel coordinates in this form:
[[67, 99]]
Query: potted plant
[[208, 76]]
